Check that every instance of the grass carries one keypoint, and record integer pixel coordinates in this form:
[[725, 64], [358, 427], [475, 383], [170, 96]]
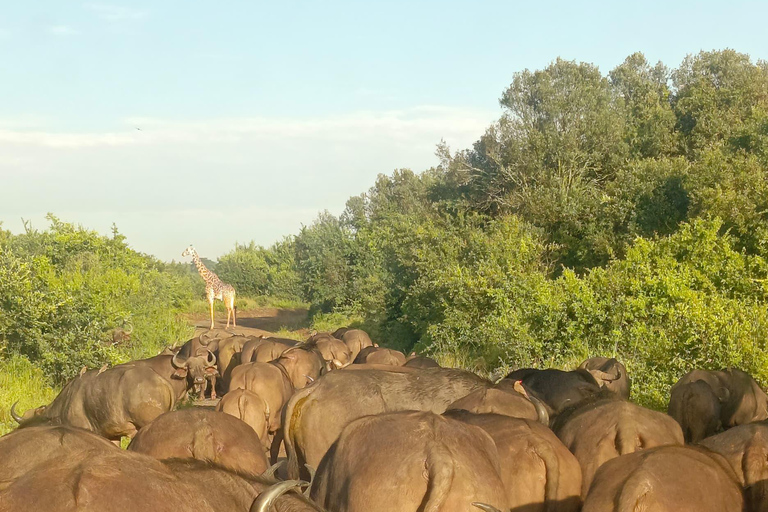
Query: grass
[[329, 322], [20, 380], [200, 306], [291, 334]]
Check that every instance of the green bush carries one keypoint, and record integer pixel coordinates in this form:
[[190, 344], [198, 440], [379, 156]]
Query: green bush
[[64, 291], [21, 381], [255, 271], [674, 304]]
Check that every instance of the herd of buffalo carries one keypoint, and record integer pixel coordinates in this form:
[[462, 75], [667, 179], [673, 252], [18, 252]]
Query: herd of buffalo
[[339, 424]]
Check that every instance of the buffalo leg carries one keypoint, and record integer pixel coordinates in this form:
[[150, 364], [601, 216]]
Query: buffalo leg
[[274, 451]]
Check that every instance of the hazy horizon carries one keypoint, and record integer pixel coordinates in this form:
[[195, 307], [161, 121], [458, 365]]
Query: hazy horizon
[[187, 123]]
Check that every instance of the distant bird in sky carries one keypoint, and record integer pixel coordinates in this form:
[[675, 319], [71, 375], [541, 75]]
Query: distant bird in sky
[[138, 128]]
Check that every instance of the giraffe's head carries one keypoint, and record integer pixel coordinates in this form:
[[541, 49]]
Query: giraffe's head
[[189, 251]]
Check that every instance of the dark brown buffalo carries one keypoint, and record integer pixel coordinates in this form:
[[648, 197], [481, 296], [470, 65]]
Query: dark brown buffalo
[[409, 461], [251, 409], [665, 479], [746, 449], [380, 355], [610, 374], [538, 471], [556, 388], [123, 481], [414, 361], [696, 408], [741, 400], [314, 416], [600, 429], [340, 332], [270, 382], [356, 340], [24, 449], [203, 435], [119, 401]]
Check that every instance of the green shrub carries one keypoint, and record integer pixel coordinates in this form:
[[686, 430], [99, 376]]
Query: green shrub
[[21, 381], [64, 291]]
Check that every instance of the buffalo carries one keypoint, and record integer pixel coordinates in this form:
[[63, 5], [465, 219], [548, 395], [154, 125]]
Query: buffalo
[[414, 361], [203, 435], [270, 382], [538, 471], [259, 349], [603, 427], [556, 388], [610, 374], [409, 461], [119, 401], [665, 479], [314, 416], [124, 481], [356, 340], [739, 397], [303, 365], [334, 351], [250, 408], [513, 401], [745, 447], [25, 449], [696, 408], [380, 355], [228, 357]]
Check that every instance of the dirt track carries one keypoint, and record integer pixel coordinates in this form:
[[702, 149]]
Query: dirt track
[[261, 321]]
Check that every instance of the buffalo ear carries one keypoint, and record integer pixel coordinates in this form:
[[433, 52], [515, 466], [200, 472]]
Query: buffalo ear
[[211, 370], [179, 373]]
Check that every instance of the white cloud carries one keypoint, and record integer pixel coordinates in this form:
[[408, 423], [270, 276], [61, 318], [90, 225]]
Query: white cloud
[[215, 181], [396, 125], [63, 30], [65, 140], [114, 13]]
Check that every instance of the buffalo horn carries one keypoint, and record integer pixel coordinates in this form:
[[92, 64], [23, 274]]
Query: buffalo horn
[[338, 364], [605, 376], [311, 472], [14, 415], [485, 506], [265, 500], [208, 358], [541, 412], [176, 363], [270, 473], [310, 379]]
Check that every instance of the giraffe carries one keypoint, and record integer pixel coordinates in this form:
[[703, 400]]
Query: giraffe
[[215, 288]]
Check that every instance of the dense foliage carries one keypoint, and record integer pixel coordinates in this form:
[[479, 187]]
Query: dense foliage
[[611, 214], [622, 214], [65, 291]]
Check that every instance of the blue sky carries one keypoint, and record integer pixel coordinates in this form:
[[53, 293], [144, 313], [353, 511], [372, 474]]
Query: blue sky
[[255, 116]]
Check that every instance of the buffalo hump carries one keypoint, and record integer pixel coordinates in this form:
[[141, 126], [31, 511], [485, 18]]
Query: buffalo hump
[[203, 435]]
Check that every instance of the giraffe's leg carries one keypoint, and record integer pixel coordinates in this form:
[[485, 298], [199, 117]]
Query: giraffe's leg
[[210, 301], [234, 312], [229, 314]]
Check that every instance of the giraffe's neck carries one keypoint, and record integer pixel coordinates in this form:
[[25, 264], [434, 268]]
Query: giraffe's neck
[[201, 268]]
